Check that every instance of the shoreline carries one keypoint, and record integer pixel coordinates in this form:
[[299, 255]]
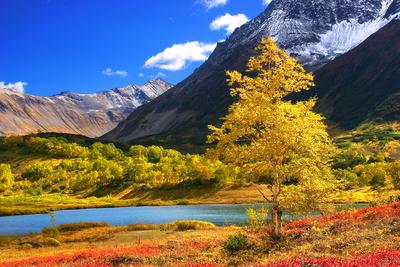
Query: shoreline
[[166, 204], [149, 225], [28, 205], [201, 195]]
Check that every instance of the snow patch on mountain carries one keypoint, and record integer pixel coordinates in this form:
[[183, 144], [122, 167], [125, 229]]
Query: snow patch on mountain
[[344, 36]]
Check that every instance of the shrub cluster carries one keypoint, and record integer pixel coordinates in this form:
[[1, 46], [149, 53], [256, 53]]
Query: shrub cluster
[[6, 177], [75, 168], [236, 243], [184, 225]]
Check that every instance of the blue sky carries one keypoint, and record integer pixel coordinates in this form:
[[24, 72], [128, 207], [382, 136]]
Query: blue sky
[[86, 46]]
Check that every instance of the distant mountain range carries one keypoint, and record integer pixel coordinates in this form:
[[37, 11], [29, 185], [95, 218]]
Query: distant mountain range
[[361, 85], [85, 114]]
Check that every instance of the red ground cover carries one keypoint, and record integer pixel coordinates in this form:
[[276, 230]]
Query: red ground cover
[[388, 258]]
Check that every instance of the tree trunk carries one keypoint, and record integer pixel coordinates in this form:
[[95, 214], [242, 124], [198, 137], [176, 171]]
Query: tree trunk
[[276, 210], [276, 221]]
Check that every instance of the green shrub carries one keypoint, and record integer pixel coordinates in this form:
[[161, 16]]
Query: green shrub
[[349, 159], [34, 191], [138, 152], [108, 151], [154, 154], [188, 225], [88, 180], [38, 171], [6, 177], [173, 226], [348, 177], [395, 174], [378, 157], [56, 146], [236, 243], [135, 169], [50, 242], [52, 232], [143, 227]]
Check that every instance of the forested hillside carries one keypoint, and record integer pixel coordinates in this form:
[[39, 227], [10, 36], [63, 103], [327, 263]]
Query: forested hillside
[[368, 168]]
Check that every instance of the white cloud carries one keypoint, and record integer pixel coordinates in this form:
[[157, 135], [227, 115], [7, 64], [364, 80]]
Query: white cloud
[[110, 72], [141, 75], [266, 2], [16, 87], [214, 3], [228, 22], [161, 74], [179, 56], [158, 75]]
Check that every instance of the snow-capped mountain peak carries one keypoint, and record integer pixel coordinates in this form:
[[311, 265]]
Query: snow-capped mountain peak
[[316, 31], [344, 35]]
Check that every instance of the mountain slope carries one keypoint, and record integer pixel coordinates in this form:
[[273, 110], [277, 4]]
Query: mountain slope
[[363, 84], [86, 114], [315, 31]]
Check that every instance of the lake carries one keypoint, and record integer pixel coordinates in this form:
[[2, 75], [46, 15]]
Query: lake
[[218, 214]]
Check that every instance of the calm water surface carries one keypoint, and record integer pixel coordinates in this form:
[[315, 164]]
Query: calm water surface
[[218, 214]]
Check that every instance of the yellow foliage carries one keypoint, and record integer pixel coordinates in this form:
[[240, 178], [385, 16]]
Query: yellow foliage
[[266, 134], [256, 217]]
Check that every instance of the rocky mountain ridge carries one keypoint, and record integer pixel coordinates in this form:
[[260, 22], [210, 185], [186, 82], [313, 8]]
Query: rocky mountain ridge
[[85, 114]]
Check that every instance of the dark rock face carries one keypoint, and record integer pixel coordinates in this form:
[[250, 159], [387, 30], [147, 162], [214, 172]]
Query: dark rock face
[[363, 84], [393, 10], [315, 31], [85, 114]]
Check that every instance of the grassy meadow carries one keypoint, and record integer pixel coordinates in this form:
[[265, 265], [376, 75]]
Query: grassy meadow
[[366, 237]]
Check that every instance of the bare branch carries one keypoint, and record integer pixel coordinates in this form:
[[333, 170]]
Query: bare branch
[[264, 196]]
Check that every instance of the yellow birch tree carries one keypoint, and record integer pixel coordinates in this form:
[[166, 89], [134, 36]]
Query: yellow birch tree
[[267, 135]]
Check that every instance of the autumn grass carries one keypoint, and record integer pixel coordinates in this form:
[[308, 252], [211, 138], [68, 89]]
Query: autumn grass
[[95, 232], [181, 225], [73, 227], [152, 248]]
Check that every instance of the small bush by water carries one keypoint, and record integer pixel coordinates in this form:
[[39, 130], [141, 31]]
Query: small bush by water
[[256, 217], [173, 226], [190, 225], [143, 227], [236, 243]]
